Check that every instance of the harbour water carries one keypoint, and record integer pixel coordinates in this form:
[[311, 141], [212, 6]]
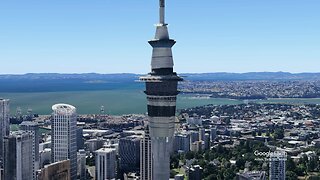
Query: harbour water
[[116, 102]]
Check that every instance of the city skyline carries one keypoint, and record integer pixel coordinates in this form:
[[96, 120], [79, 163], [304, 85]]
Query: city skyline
[[109, 37]]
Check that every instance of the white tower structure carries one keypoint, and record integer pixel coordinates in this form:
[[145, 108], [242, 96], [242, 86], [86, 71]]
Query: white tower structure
[[64, 135], [161, 91], [4, 123]]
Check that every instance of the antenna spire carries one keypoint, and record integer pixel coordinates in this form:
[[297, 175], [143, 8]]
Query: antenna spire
[[162, 11]]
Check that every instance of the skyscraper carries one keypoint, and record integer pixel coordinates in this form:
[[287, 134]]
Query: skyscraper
[[81, 156], [182, 143], [33, 127], [277, 165], [145, 157], [64, 136], [161, 91], [19, 156], [4, 123], [105, 164], [129, 154]]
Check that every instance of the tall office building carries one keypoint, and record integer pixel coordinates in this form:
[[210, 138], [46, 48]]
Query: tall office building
[[33, 127], [194, 136], [277, 165], [129, 154], [145, 157], [161, 91], [80, 140], [81, 156], [105, 164], [182, 143], [4, 123], [202, 133], [19, 156], [213, 134], [64, 136]]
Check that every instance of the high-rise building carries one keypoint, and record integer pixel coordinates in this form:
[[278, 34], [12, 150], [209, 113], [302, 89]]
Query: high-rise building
[[106, 164], [81, 156], [194, 136], [161, 91], [197, 146], [80, 140], [33, 127], [145, 157], [277, 165], [45, 157], [129, 154], [202, 133], [213, 134], [207, 141], [182, 143], [55, 171], [19, 156], [4, 124], [64, 136]]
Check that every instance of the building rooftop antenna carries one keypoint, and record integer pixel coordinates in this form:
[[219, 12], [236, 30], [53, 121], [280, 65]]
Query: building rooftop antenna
[[162, 12]]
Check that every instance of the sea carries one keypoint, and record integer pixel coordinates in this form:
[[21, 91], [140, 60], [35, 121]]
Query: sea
[[116, 101]]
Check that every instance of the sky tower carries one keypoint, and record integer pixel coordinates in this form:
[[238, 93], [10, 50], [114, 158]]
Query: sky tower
[[161, 91]]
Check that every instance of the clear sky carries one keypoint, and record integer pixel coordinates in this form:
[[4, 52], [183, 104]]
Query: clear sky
[[110, 36]]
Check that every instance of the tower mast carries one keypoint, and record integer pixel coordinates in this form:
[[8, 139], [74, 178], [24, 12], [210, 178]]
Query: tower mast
[[162, 11]]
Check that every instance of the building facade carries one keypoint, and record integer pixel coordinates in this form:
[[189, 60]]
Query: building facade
[[33, 127], [55, 171], [145, 158], [19, 156], [4, 124], [129, 154], [182, 143], [277, 166], [106, 164], [82, 171], [64, 140]]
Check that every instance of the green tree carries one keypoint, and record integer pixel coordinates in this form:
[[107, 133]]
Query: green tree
[[291, 175], [189, 155], [301, 170], [314, 178], [279, 133], [291, 166], [313, 164]]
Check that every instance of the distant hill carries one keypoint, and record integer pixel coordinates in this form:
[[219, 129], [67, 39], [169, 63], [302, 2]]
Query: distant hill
[[253, 76], [53, 82]]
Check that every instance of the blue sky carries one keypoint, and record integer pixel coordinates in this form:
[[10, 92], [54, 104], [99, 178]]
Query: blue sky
[[110, 36]]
